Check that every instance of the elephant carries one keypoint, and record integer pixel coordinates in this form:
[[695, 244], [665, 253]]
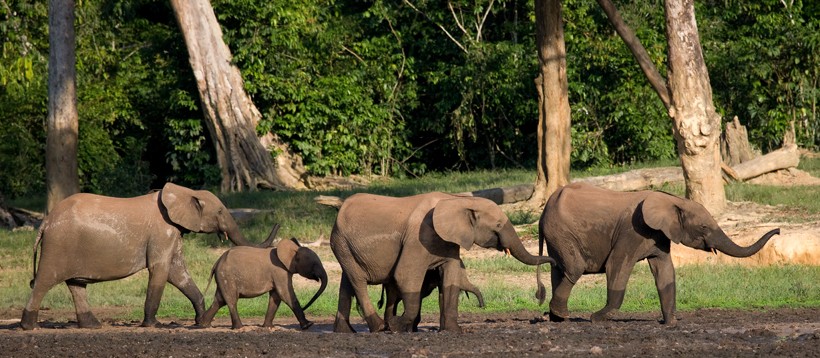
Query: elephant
[[592, 230], [378, 239], [90, 238], [432, 280], [246, 272]]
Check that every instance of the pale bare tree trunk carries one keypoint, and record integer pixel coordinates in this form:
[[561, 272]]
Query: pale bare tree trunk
[[696, 123], [62, 175], [230, 114], [554, 138]]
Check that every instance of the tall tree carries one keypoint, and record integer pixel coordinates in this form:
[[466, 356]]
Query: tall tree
[[231, 116], [554, 138], [687, 97], [696, 123], [62, 175]]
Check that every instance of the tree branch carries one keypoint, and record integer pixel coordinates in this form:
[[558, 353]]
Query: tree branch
[[655, 79], [437, 24]]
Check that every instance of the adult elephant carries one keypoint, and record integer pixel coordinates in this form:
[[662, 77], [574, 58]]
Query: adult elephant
[[90, 238], [592, 230], [377, 239]]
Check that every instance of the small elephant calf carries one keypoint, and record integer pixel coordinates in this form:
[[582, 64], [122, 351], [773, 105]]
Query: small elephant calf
[[246, 272]]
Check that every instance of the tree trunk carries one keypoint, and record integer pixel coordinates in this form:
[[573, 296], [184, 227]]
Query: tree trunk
[[230, 114], [554, 139], [62, 175], [696, 124], [734, 144], [638, 51]]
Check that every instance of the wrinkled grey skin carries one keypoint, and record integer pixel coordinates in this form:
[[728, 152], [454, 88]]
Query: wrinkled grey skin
[[246, 272], [432, 280], [90, 238], [378, 239], [593, 230]]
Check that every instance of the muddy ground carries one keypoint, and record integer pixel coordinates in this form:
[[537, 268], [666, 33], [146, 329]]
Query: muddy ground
[[706, 332]]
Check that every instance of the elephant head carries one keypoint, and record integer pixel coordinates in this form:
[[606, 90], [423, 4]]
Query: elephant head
[[201, 211], [469, 220], [305, 262], [689, 223]]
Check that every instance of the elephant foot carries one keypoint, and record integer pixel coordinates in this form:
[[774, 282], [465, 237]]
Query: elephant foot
[[305, 325], [671, 321], [400, 324], [29, 320], [601, 316], [556, 318], [205, 323], [452, 328], [149, 323], [87, 320], [343, 327]]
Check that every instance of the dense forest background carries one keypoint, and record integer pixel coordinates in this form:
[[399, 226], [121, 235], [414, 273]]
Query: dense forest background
[[386, 88]]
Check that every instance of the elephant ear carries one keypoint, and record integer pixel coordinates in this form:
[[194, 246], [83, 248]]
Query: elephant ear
[[286, 252], [182, 205], [661, 212], [454, 221]]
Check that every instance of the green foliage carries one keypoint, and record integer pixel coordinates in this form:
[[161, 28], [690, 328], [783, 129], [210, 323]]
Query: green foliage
[[381, 87], [329, 80], [764, 60]]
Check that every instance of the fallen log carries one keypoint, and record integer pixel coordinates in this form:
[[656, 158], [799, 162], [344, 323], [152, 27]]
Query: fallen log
[[784, 158]]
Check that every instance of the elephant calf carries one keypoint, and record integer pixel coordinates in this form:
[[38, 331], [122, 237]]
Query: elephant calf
[[432, 280], [246, 272]]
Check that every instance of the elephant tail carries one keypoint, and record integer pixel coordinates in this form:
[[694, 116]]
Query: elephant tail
[[213, 273], [541, 292], [37, 243], [381, 300]]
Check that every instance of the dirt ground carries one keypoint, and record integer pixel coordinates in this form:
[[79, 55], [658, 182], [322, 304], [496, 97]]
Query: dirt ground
[[713, 333]]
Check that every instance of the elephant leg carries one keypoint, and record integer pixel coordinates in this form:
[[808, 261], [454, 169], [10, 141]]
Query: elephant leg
[[157, 277], [208, 316], [664, 273], [289, 297], [561, 289], [231, 301], [273, 306], [410, 291], [391, 301], [342, 322], [617, 276], [85, 319], [181, 279], [448, 292], [41, 286]]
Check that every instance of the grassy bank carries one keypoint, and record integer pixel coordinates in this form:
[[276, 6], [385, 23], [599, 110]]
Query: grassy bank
[[507, 284]]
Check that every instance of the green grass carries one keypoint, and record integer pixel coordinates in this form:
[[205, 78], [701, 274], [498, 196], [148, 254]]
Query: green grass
[[507, 285]]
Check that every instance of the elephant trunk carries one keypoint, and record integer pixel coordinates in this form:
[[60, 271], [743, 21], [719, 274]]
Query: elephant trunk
[[235, 236], [725, 245], [322, 275], [474, 290], [508, 239]]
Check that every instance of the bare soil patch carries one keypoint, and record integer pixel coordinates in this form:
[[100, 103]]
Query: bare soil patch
[[713, 333]]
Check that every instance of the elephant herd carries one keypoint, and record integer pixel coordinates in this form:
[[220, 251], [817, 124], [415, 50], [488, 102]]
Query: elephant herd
[[409, 245]]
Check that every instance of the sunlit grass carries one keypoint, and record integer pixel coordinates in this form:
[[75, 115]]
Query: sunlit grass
[[699, 286]]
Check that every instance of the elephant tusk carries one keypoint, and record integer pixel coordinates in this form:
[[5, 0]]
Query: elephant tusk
[[714, 251], [222, 239]]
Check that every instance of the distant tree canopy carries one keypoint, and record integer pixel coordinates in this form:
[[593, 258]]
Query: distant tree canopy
[[379, 87]]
